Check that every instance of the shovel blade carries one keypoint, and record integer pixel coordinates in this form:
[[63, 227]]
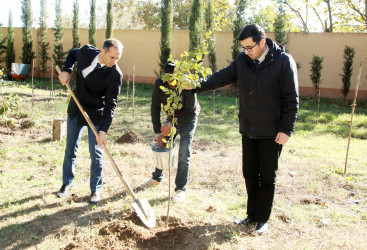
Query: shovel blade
[[145, 212]]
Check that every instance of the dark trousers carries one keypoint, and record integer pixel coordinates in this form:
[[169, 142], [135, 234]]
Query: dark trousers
[[260, 165]]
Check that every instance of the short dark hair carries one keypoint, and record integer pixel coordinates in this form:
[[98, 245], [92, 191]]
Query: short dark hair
[[252, 30], [169, 67], [112, 42]]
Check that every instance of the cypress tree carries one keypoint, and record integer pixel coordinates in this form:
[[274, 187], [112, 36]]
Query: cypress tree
[[10, 53], [2, 41], [28, 53], [166, 32], [211, 43], [43, 44], [92, 23], [349, 54], [238, 25], [196, 23], [76, 43], [280, 22], [59, 53], [109, 17]]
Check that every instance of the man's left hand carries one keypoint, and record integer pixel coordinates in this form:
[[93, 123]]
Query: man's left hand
[[281, 138], [102, 138]]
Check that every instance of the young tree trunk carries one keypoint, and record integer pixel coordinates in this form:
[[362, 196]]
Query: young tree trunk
[[133, 90], [127, 89], [352, 114], [169, 170]]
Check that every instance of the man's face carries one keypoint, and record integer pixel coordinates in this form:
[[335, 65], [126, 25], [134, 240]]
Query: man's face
[[110, 57], [252, 49]]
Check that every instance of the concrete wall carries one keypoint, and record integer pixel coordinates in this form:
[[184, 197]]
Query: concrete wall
[[141, 48]]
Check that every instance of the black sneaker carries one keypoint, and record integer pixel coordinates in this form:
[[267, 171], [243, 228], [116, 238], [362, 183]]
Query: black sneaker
[[261, 227], [64, 190], [246, 221]]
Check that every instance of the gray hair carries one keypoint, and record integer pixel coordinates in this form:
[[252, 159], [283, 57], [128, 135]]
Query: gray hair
[[112, 42]]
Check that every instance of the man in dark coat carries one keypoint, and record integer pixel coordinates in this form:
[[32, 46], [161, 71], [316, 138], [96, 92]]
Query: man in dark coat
[[187, 119], [98, 83], [268, 104]]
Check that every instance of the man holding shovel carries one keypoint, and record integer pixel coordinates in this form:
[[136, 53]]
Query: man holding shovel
[[186, 125], [98, 83], [268, 106]]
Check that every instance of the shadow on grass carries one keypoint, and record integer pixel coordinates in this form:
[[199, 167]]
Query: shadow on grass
[[13, 236]]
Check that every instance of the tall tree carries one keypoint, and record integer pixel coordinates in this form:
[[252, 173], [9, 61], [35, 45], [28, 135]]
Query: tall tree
[[10, 53], [196, 23], [349, 54], [92, 23], [2, 41], [28, 53], [209, 20], [239, 23], [149, 13], [181, 14], [43, 44], [76, 43], [280, 31], [109, 17], [166, 32], [59, 53]]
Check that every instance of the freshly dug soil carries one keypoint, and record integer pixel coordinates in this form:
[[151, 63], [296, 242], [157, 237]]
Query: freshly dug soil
[[131, 137]]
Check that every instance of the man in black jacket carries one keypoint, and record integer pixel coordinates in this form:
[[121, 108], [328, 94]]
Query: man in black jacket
[[98, 83], [187, 118], [268, 105]]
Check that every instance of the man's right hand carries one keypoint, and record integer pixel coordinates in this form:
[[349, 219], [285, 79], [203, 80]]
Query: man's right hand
[[160, 143], [64, 77]]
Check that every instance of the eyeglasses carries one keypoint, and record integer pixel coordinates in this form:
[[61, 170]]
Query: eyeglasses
[[249, 49]]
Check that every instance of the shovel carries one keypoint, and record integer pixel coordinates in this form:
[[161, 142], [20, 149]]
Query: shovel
[[142, 207]]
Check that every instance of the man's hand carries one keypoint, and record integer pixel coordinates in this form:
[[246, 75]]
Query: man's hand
[[102, 138], [281, 138], [64, 77], [166, 130], [160, 143]]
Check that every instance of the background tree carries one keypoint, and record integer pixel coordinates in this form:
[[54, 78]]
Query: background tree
[[59, 53], [196, 23], [239, 23], [315, 76], [166, 32], [181, 14], [2, 47], [280, 31], [76, 43], [349, 54], [10, 53], [209, 20], [28, 53], [109, 21], [92, 23], [224, 14], [149, 13], [43, 44]]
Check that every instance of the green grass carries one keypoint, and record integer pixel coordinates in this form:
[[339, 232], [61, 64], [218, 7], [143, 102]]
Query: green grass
[[311, 172]]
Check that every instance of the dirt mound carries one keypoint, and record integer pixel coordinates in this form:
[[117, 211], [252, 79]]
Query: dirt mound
[[128, 232], [131, 137]]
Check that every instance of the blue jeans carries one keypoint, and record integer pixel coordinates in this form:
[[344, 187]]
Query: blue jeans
[[74, 133], [186, 137]]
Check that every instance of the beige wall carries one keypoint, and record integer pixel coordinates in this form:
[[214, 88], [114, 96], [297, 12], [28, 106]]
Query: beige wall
[[141, 48]]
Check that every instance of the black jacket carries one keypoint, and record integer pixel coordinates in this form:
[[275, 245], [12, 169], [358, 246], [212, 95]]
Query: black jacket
[[190, 106], [268, 100], [98, 92]]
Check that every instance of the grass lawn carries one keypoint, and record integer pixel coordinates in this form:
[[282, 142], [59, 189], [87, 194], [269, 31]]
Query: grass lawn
[[316, 206]]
